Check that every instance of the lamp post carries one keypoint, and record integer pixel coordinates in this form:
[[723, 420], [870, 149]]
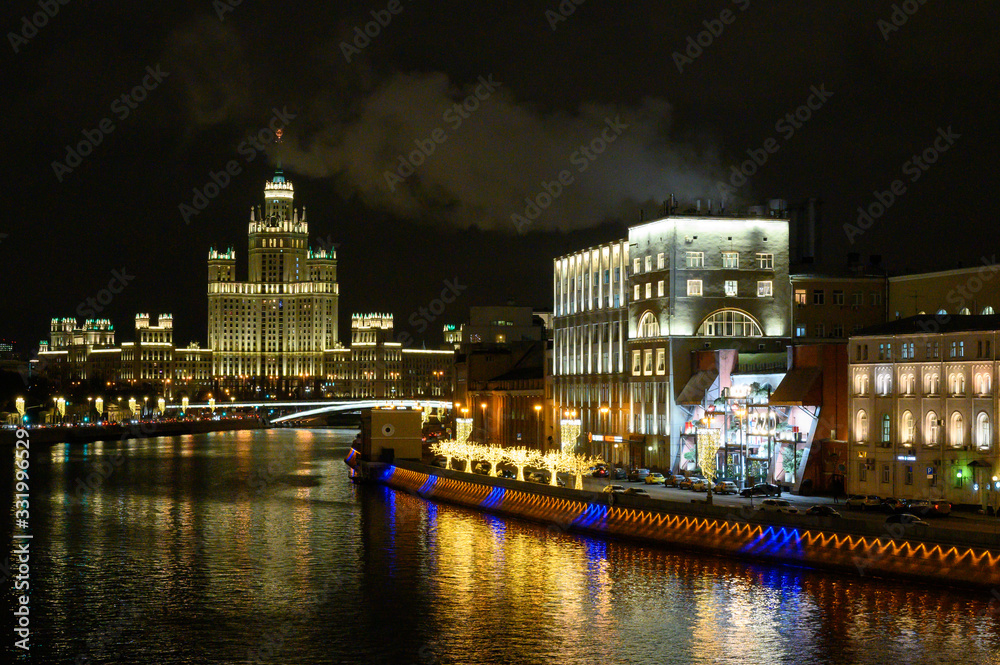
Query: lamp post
[[604, 412], [486, 432], [538, 427]]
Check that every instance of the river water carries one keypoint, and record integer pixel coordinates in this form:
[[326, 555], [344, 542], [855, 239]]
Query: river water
[[254, 547]]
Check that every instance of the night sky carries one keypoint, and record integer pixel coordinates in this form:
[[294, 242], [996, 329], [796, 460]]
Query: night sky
[[676, 116]]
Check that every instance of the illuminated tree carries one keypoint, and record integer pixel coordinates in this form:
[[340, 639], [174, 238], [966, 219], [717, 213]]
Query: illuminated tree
[[467, 451], [446, 449], [579, 465], [493, 455], [708, 451], [555, 461], [522, 457]]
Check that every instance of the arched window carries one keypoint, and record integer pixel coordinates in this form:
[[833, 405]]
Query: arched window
[[957, 430], [932, 429], [861, 427], [886, 428], [860, 384], [983, 431], [964, 311], [649, 326], [988, 310], [931, 384], [884, 383], [730, 323], [908, 428]]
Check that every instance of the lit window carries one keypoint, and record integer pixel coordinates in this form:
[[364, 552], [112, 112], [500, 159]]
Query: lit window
[[694, 287], [730, 323], [731, 287], [648, 326], [800, 330], [661, 261], [765, 261], [661, 364], [764, 289], [800, 297], [636, 295], [695, 260], [636, 363], [730, 259], [636, 266], [861, 427], [659, 288], [649, 263], [647, 364]]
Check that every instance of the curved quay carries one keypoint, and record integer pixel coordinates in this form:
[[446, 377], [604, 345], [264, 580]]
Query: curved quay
[[727, 534]]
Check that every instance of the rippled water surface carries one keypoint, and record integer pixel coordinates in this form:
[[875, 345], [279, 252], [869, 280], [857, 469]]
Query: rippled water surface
[[254, 547]]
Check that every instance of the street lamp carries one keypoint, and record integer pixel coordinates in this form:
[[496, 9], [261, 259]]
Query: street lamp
[[486, 435], [604, 412], [538, 427]]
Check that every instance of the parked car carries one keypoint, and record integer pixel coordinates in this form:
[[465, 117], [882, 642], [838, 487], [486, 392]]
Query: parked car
[[906, 519], [613, 489], [654, 479], [482, 468], [637, 475], [761, 489], [928, 507], [439, 461], [686, 483], [637, 491], [725, 487], [543, 478], [891, 505], [600, 471], [777, 506], [671, 481], [506, 473], [863, 501], [620, 473], [700, 485], [823, 511]]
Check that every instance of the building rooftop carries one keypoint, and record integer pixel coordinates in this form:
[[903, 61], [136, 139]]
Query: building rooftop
[[933, 323]]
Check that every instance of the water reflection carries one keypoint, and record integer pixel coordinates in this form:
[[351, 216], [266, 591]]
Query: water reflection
[[209, 548]]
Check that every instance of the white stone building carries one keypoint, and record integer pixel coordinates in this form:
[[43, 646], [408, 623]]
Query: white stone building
[[923, 408]]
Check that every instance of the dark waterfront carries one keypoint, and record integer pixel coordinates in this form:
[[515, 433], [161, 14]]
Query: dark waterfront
[[245, 546]]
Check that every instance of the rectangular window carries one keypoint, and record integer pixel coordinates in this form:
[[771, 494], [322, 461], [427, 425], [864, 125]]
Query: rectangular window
[[885, 474], [661, 261], [695, 260], [636, 295], [636, 363], [876, 298], [857, 298], [838, 330], [661, 363], [636, 266], [647, 364], [649, 289], [818, 296], [820, 330], [800, 297], [649, 263], [659, 289], [764, 289], [731, 288], [730, 259], [862, 472], [800, 331], [838, 297], [694, 287], [765, 261]]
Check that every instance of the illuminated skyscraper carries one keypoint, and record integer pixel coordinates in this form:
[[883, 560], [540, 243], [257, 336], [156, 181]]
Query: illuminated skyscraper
[[276, 324]]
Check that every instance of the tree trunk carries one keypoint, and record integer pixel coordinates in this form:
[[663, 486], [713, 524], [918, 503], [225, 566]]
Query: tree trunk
[[578, 485], [520, 473]]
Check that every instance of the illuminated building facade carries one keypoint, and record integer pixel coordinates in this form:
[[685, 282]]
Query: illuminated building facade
[[922, 408], [275, 326], [377, 366], [629, 313]]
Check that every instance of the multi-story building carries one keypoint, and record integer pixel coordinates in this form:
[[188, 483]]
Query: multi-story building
[[922, 407], [377, 366], [86, 357], [675, 285], [828, 308], [273, 328], [961, 291]]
